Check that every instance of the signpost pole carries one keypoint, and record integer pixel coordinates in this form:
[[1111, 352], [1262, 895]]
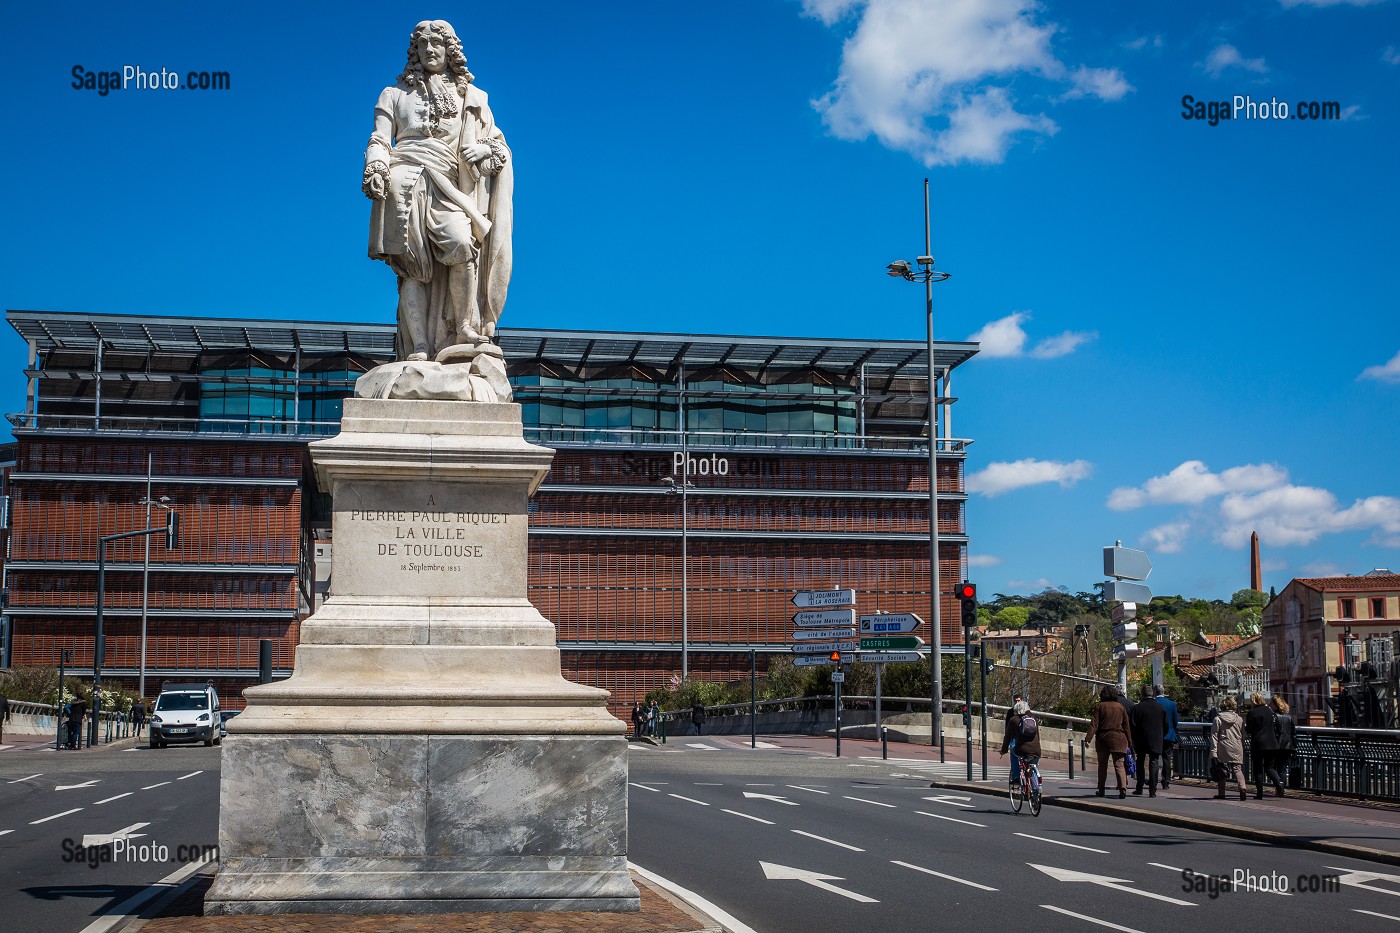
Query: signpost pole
[[879, 689], [967, 680], [837, 685], [753, 698], [982, 665]]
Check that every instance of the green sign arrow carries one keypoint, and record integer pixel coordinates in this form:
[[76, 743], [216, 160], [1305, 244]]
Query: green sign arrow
[[892, 643]]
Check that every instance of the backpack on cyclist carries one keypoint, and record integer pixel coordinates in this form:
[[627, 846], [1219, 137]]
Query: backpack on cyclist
[[1029, 727]]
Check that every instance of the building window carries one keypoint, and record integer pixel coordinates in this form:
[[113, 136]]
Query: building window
[[1346, 608], [1378, 607]]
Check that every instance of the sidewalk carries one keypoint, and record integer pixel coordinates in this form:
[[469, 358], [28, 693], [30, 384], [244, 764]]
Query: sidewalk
[[14, 744]]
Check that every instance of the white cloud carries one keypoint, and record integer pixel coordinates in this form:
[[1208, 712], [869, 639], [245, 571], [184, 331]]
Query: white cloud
[[1167, 539], [1034, 585], [998, 478], [1391, 56], [1142, 42], [1103, 83], [917, 75], [1006, 337], [1193, 483], [1289, 515], [983, 560], [1386, 372], [1226, 56]]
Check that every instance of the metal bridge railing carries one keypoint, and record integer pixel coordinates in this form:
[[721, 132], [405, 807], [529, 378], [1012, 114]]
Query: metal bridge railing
[[1361, 763]]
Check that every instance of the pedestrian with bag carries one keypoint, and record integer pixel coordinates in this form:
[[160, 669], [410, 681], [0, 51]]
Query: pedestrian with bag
[[653, 719], [1170, 738], [1227, 749], [1108, 730], [1261, 726], [4, 715], [697, 717], [1283, 757], [1022, 739], [1149, 727], [638, 717]]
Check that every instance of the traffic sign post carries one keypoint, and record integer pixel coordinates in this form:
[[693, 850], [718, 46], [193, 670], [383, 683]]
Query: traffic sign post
[[821, 647], [824, 618], [1125, 564], [824, 599], [823, 634], [815, 660], [888, 657], [892, 643]]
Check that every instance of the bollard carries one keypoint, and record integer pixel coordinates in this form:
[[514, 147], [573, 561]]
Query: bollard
[[1071, 754], [884, 742]]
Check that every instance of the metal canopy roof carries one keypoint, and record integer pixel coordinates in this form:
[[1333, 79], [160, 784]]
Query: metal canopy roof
[[145, 333]]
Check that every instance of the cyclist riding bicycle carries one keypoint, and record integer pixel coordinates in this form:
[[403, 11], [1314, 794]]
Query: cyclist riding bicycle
[[1022, 738]]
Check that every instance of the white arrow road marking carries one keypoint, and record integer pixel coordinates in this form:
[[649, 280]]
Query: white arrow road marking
[[939, 874], [1059, 843], [1374, 914], [17, 780], [826, 840], [102, 839], [75, 786], [782, 800], [875, 802], [950, 819], [110, 799], [747, 817], [1362, 879], [815, 879], [952, 800], [1088, 919], [54, 817], [1118, 884]]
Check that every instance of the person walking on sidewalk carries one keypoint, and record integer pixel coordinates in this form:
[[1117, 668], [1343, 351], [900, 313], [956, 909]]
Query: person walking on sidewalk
[[1149, 724], [1108, 730], [4, 715], [1227, 748], [1261, 725], [138, 718], [1168, 739], [1283, 758], [638, 717], [697, 717]]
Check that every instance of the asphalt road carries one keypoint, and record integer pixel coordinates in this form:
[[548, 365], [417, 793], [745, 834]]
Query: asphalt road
[[165, 800], [788, 841]]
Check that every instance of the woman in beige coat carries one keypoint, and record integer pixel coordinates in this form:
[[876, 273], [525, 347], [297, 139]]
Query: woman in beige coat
[[1108, 730], [1227, 747]]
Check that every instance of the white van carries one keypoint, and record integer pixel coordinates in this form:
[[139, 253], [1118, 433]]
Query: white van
[[186, 713]]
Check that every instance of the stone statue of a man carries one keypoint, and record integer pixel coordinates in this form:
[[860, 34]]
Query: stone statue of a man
[[439, 176]]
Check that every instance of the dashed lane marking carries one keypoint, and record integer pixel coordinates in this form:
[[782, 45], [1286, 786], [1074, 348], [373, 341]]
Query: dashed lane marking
[[1088, 919], [689, 799], [190, 775], [1059, 843], [54, 817], [748, 817], [810, 790], [951, 819], [875, 802], [826, 840], [634, 784], [939, 874], [154, 786], [31, 777], [1374, 914], [118, 797]]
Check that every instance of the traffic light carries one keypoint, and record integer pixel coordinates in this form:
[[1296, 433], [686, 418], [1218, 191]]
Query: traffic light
[[172, 529], [967, 597]]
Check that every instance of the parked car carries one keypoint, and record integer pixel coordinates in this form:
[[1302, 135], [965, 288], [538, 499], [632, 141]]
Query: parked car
[[186, 713]]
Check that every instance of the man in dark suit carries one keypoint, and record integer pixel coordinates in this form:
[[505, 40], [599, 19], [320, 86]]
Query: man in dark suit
[[1170, 738], [4, 715], [1149, 723]]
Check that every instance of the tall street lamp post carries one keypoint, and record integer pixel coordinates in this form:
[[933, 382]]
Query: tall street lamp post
[[682, 488], [162, 502], [901, 269]]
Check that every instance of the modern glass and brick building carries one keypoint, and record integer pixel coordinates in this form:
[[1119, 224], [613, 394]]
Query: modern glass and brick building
[[807, 461]]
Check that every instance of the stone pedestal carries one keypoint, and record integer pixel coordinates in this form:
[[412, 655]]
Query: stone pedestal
[[426, 755]]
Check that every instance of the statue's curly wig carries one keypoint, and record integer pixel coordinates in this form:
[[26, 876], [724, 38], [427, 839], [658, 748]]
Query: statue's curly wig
[[456, 60]]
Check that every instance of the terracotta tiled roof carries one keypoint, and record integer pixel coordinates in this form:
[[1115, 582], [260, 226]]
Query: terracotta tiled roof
[[1199, 671], [1379, 581], [1229, 642]]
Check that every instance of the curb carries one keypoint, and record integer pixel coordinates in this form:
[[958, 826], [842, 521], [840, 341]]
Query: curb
[[1200, 825]]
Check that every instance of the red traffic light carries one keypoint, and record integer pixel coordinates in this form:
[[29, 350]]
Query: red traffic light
[[967, 591]]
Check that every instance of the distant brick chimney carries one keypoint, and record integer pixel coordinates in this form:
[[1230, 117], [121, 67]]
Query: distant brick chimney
[[1256, 574]]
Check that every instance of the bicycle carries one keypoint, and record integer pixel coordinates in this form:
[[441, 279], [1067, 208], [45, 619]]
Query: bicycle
[[1028, 789]]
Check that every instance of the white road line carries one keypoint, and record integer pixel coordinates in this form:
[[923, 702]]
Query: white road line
[[657, 783], [1059, 843], [54, 817], [3, 747], [131, 749], [939, 874], [950, 819], [17, 780], [190, 775], [726, 920], [1167, 867], [154, 786], [118, 797], [810, 790], [642, 786], [754, 784], [747, 817], [708, 784], [875, 802], [702, 746], [118, 915], [5, 832], [1088, 919], [824, 839], [1374, 914], [689, 799]]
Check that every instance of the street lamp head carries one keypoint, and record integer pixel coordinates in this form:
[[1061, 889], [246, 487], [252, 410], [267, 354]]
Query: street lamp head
[[898, 269]]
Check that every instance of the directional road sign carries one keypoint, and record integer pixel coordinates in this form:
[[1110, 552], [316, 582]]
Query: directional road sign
[[822, 647], [892, 643], [1126, 562], [889, 657], [824, 599], [1123, 611], [838, 677], [1120, 591], [823, 618], [1125, 631], [1129, 650], [823, 634], [816, 660], [890, 623]]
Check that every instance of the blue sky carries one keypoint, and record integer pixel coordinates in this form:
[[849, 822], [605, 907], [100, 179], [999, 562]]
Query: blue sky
[[1189, 331]]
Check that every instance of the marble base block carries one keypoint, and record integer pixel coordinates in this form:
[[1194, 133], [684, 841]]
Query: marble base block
[[422, 824]]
